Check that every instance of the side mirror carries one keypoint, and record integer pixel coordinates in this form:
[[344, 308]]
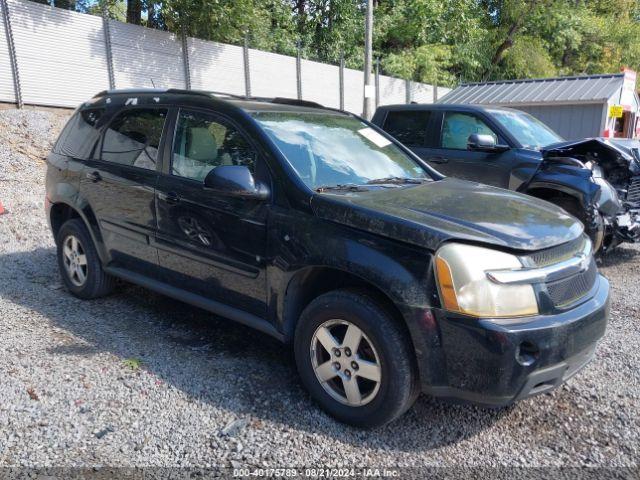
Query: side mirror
[[484, 143], [235, 181]]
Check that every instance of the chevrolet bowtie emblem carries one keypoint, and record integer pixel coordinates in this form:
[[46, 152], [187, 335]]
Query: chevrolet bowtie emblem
[[585, 260]]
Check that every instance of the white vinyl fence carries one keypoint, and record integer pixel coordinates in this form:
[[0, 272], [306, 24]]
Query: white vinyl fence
[[55, 57]]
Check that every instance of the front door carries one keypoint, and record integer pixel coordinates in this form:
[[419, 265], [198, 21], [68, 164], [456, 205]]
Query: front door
[[211, 244], [119, 185], [452, 158]]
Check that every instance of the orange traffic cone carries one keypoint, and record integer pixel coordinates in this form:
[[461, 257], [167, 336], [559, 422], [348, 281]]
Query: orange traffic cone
[[2, 210]]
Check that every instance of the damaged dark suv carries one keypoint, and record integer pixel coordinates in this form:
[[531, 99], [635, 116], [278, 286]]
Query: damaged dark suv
[[596, 180], [315, 227]]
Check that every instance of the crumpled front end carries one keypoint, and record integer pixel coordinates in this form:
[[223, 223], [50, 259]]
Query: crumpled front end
[[615, 169]]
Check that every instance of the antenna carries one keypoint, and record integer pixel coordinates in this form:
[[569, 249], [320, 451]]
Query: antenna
[[154, 85]]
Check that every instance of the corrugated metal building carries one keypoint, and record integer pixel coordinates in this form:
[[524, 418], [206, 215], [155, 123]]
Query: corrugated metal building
[[575, 107]]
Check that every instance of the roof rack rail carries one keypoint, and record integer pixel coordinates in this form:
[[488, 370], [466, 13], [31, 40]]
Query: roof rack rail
[[151, 90], [295, 101], [210, 94], [226, 94], [203, 93], [128, 90]]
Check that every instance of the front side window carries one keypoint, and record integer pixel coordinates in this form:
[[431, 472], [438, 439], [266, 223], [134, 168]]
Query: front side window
[[409, 127], [528, 130], [81, 134], [457, 127], [204, 142], [133, 138], [328, 149]]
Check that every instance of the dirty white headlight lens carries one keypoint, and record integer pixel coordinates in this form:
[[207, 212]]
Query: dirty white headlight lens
[[465, 288]]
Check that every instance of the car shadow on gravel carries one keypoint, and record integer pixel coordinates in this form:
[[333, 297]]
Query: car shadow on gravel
[[213, 360], [618, 256]]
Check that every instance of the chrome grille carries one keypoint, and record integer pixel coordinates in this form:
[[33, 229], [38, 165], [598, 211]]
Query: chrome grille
[[633, 195], [567, 291], [557, 254]]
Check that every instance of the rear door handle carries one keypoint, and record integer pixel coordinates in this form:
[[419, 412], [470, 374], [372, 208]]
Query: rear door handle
[[438, 160], [172, 197], [94, 176]]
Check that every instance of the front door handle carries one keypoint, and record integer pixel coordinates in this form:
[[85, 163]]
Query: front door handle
[[438, 160], [94, 176], [171, 198]]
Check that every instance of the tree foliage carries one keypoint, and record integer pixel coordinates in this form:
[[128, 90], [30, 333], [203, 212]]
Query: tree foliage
[[434, 41]]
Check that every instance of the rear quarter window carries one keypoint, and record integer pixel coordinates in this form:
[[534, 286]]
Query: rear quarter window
[[409, 127], [80, 135]]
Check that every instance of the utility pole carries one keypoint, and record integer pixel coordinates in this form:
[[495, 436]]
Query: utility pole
[[369, 89]]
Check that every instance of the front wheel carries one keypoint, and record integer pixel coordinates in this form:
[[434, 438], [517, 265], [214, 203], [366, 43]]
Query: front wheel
[[355, 359]]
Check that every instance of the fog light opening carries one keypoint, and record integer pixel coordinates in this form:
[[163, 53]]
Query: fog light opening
[[527, 354]]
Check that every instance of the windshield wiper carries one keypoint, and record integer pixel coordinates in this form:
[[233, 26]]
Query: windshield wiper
[[348, 187], [397, 181]]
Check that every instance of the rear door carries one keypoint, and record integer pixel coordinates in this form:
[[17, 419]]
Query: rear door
[[412, 128], [452, 158], [119, 184], [420, 131], [211, 244]]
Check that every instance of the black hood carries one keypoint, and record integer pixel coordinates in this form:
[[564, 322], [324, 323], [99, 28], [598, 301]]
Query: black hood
[[451, 209]]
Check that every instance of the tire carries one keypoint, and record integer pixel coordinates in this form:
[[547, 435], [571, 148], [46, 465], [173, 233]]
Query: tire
[[93, 282], [337, 312], [572, 207]]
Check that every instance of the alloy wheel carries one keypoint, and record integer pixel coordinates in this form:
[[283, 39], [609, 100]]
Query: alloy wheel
[[345, 362], [75, 260]]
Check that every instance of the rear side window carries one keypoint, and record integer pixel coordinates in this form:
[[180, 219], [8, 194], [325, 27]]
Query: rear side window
[[79, 137], [409, 127], [133, 138]]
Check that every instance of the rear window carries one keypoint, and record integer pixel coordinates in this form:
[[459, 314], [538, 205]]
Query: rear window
[[79, 137], [409, 127]]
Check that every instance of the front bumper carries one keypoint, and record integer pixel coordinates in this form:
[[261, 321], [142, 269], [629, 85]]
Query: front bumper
[[495, 362]]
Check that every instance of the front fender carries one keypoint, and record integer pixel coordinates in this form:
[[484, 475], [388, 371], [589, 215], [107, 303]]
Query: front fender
[[402, 272], [570, 180], [392, 269]]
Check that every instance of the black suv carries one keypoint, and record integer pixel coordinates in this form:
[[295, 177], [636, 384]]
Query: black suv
[[596, 180], [317, 228]]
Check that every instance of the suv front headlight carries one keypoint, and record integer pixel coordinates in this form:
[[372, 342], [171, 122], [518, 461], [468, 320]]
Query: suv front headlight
[[464, 286]]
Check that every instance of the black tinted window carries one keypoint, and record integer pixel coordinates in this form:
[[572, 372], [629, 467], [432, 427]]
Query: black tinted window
[[133, 138], [409, 127], [80, 135]]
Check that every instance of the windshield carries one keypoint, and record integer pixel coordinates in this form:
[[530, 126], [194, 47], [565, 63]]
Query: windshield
[[528, 130], [327, 149]]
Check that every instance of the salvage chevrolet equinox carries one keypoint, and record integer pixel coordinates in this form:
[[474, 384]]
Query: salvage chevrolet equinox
[[319, 229]]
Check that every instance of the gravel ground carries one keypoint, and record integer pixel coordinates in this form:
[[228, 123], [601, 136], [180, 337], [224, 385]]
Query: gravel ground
[[136, 379]]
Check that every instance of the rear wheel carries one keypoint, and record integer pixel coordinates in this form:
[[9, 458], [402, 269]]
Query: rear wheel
[[354, 359], [79, 263]]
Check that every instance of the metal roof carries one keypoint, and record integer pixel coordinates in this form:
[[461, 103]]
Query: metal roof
[[580, 89]]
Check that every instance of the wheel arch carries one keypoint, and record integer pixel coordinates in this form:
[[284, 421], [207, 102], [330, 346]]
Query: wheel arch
[[62, 211], [311, 282], [545, 192]]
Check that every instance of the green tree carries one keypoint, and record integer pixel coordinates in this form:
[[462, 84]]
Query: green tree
[[434, 41]]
